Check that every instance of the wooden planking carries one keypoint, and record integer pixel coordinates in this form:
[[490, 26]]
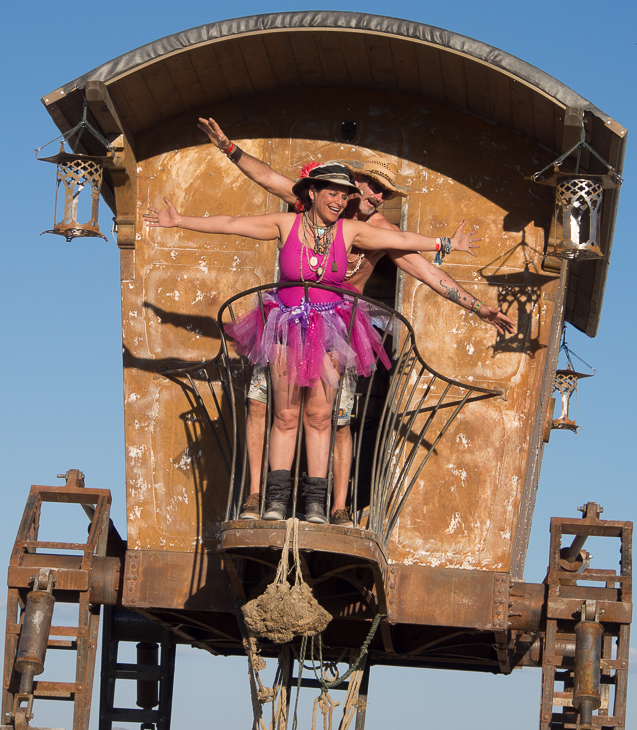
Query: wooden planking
[[586, 296], [126, 113], [430, 72], [477, 81], [186, 80], [500, 98], [381, 62], [521, 105], [211, 78], [454, 80], [355, 55], [163, 89], [545, 123], [146, 113], [257, 62], [406, 67], [337, 72], [307, 59], [282, 60], [233, 69]]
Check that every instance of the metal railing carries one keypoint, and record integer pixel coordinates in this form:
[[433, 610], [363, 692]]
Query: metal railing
[[402, 442]]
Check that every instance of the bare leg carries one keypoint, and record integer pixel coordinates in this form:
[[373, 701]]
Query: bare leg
[[342, 466], [255, 441], [319, 403], [285, 423]]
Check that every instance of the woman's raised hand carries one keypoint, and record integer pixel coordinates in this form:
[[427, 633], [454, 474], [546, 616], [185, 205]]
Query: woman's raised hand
[[169, 218]]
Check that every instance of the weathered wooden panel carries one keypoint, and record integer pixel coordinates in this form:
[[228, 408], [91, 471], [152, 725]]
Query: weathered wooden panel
[[462, 512], [177, 482]]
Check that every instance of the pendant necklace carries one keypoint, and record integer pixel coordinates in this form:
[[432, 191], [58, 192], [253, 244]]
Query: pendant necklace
[[322, 247], [318, 233]]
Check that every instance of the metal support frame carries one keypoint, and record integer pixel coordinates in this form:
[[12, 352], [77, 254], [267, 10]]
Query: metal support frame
[[71, 581], [154, 679], [590, 610]]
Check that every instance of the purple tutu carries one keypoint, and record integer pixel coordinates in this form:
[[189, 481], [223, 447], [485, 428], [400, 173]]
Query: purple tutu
[[311, 337]]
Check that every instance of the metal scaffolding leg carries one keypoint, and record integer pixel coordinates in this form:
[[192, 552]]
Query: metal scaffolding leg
[[39, 580], [586, 642], [153, 672]]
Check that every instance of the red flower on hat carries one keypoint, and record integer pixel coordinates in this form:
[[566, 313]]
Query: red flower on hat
[[305, 170]]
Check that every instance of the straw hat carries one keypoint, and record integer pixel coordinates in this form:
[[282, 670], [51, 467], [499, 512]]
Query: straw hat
[[333, 172], [382, 171]]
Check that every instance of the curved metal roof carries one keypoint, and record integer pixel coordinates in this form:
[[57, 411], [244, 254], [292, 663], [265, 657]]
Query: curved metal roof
[[263, 53], [202, 67]]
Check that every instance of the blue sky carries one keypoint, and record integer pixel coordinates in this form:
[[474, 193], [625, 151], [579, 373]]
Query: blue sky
[[61, 392]]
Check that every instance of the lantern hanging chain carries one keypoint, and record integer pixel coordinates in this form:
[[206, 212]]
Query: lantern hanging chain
[[582, 144], [79, 128], [568, 352]]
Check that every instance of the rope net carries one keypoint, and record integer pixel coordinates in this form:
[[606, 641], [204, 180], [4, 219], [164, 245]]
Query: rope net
[[285, 611]]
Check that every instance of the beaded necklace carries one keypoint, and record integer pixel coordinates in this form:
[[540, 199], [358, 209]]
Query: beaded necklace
[[323, 239], [358, 261]]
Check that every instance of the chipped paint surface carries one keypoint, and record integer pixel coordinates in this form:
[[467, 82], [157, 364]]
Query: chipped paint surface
[[464, 510]]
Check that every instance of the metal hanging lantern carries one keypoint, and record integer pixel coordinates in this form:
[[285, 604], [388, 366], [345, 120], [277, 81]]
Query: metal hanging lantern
[[75, 175], [80, 178], [578, 199], [566, 385]]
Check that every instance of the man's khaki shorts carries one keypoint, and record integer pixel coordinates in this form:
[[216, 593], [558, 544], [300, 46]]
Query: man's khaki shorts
[[258, 391]]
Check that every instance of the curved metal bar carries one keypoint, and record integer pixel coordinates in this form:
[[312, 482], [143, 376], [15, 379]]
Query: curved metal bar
[[353, 295], [398, 456], [359, 443], [390, 443], [397, 449], [391, 521]]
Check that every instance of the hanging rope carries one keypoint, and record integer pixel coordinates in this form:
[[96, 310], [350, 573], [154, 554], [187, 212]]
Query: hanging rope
[[324, 701], [284, 611], [277, 695], [281, 613]]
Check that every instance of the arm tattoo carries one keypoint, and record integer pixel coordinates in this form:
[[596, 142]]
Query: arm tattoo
[[452, 294]]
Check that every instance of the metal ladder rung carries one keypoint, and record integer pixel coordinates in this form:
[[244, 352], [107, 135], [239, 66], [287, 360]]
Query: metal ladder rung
[[54, 690], [77, 631], [62, 644], [46, 545], [131, 715], [135, 671]]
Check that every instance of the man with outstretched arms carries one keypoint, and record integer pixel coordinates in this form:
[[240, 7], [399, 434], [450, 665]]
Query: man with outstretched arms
[[376, 179]]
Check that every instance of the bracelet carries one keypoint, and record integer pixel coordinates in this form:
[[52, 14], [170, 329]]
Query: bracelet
[[445, 248], [229, 150], [235, 154], [475, 308]]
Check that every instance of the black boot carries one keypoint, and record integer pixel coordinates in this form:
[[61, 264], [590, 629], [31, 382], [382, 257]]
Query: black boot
[[315, 493], [277, 494]]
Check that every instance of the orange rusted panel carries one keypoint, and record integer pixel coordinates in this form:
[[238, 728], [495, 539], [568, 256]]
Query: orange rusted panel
[[463, 513]]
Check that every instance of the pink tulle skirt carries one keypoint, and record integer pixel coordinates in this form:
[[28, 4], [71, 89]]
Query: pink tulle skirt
[[311, 338]]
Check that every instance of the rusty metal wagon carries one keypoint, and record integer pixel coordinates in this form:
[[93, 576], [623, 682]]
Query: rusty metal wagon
[[448, 446]]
